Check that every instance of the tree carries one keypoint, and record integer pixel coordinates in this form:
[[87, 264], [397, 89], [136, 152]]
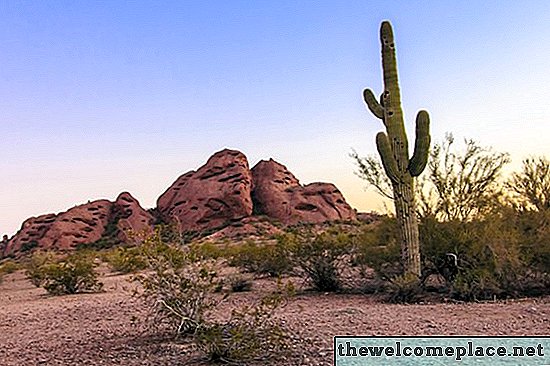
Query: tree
[[467, 183], [393, 149], [461, 184], [532, 184]]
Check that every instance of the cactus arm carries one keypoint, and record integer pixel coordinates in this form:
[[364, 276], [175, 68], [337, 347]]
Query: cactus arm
[[421, 145], [373, 104], [386, 155]]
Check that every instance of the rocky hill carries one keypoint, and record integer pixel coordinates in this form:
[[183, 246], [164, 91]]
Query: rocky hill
[[223, 195]]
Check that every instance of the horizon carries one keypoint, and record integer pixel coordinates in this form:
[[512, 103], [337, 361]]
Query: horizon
[[100, 98]]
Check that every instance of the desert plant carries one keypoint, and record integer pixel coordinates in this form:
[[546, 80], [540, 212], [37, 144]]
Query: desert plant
[[262, 259], [70, 275], [34, 266], [393, 149], [178, 288], [466, 183], [126, 260], [251, 334], [405, 288], [532, 184], [239, 283], [319, 258], [9, 266], [377, 248]]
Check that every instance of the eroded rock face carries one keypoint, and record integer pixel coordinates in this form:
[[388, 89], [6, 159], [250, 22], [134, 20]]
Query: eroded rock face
[[32, 230], [132, 217], [79, 225], [82, 224], [215, 194], [278, 194]]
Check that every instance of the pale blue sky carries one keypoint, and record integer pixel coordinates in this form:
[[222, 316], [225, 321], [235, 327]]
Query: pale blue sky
[[102, 96]]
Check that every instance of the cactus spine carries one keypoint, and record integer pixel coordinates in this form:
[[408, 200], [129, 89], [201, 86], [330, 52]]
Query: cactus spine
[[394, 151]]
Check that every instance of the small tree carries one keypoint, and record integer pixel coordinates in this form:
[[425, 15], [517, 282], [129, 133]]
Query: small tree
[[532, 184], [461, 184], [467, 182]]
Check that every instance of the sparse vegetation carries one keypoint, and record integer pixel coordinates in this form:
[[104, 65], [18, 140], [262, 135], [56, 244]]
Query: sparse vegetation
[[263, 259], [126, 260], [319, 258], [70, 275], [239, 283], [178, 289], [251, 334]]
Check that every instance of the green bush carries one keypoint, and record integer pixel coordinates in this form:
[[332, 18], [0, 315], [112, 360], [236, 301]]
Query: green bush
[[74, 274], [34, 266], [404, 289], [9, 266], [491, 260], [126, 260], [319, 258], [178, 288], [263, 259], [377, 248], [251, 334]]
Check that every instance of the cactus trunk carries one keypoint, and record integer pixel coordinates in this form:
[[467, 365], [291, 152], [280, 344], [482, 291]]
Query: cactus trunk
[[394, 151]]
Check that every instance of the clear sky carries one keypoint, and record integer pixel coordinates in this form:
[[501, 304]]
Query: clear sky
[[97, 97]]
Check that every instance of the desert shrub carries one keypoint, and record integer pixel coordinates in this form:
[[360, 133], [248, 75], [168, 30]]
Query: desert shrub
[[263, 259], [9, 266], [319, 258], [73, 274], [239, 283], [178, 288], [251, 334], [126, 260], [405, 289], [29, 246], [34, 266], [377, 248], [207, 250], [480, 259]]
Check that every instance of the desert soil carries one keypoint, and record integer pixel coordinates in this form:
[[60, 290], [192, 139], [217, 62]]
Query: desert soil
[[101, 328]]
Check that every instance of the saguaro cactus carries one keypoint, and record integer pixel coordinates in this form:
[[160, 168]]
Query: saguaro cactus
[[394, 151]]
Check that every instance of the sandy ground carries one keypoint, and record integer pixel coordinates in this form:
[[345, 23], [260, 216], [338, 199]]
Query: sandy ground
[[99, 329]]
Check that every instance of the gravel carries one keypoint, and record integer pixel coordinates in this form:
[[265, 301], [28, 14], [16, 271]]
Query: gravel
[[101, 328]]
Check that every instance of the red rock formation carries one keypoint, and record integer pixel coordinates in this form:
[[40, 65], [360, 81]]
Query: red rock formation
[[83, 224], [217, 193], [132, 217], [278, 194], [32, 230]]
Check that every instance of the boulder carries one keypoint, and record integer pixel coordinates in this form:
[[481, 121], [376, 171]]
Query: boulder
[[214, 195], [277, 193]]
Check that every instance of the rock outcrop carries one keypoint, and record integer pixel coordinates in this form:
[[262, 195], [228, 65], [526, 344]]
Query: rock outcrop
[[214, 195], [277, 193], [223, 196], [131, 217], [80, 225]]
